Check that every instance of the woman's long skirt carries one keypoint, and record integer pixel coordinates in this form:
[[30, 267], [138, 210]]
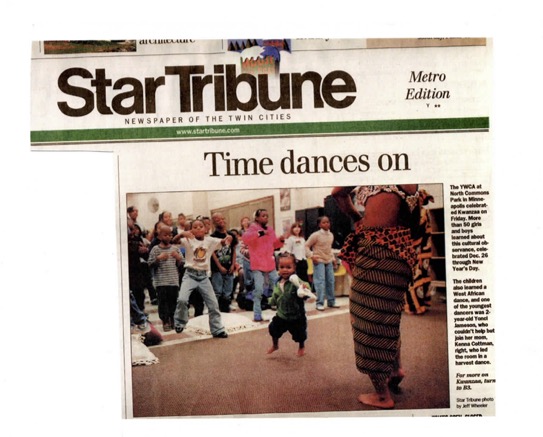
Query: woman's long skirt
[[380, 280]]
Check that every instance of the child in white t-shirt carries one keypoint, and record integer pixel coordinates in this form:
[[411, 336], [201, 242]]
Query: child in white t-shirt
[[198, 250]]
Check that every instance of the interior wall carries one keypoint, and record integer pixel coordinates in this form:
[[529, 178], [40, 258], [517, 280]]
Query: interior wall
[[175, 202], [193, 204], [301, 198], [234, 213]]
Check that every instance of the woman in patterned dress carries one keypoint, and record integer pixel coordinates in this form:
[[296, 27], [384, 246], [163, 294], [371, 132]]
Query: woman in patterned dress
[[381, 257]]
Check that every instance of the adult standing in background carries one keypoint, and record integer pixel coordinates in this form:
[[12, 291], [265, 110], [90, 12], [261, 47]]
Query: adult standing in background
[[136, 272], [381, 255], [133, 214]]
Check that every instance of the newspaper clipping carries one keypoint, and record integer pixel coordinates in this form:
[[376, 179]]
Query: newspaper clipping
[[304, 225]]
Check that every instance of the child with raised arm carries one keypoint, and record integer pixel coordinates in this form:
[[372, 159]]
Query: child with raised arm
[[262, 242], [289, 294], [198, 250], [165, 259]]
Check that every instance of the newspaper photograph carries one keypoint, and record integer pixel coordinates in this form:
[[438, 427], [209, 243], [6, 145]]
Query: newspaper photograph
[[304, 226]]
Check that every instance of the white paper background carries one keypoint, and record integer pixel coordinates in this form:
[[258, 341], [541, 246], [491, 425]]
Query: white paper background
[[60, 368]]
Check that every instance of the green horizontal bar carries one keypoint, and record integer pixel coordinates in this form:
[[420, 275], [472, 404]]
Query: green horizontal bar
[[251, 130]]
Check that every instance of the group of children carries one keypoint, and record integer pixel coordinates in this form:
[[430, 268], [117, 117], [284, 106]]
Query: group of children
[[190, 260], [180, 271], [165, 259]]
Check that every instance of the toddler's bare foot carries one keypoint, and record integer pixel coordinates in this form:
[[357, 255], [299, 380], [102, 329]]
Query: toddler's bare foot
[[376, 400], [272, 349], [301, 352]]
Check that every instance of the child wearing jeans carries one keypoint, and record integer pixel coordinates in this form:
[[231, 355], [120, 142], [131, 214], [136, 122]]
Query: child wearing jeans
[[288, 296], [262, 242], [319, 245], [198, 250]]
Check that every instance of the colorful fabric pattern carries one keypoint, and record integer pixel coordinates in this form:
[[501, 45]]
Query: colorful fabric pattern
[[396, 238], [380, 280]]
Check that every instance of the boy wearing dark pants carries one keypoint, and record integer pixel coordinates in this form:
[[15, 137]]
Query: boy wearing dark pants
[[165, 258], [289, 294], [223, 263]]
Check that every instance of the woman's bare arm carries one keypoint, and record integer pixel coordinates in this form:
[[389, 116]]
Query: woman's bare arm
[[342, 196]]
